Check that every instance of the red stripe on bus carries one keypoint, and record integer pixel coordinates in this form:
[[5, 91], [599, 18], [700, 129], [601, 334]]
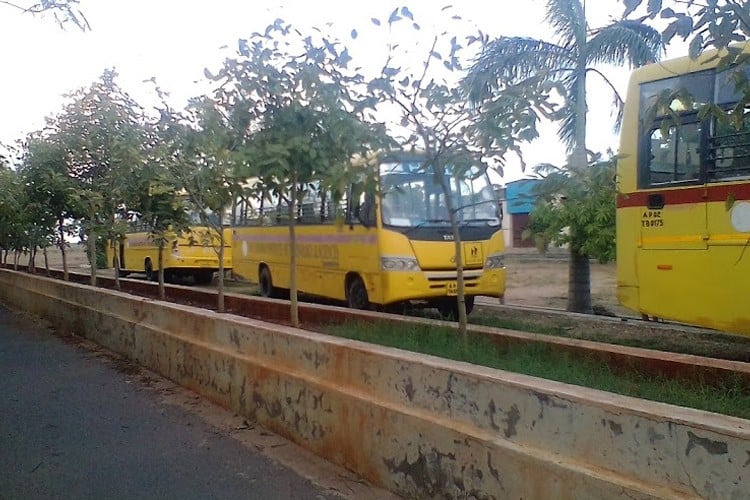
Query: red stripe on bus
[[682, 196]]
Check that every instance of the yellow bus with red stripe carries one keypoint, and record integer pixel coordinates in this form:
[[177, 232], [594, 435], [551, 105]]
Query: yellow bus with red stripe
[[683, 204]]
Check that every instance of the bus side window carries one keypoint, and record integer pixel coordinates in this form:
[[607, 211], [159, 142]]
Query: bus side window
[[730, 151], [674, 157]]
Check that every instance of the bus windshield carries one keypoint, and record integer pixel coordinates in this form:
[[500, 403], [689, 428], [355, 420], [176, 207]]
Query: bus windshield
[[413, 197]]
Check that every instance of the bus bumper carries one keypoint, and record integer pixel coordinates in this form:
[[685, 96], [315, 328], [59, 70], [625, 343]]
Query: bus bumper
[[427, 285]]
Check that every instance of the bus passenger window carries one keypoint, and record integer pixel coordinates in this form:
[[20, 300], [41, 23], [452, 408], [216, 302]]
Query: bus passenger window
[[674, 157], [730, 151]]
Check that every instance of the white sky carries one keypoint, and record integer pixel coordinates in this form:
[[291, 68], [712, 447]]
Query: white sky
[[174, 40]]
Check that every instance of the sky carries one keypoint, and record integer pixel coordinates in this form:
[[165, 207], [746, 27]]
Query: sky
[[174, 40]]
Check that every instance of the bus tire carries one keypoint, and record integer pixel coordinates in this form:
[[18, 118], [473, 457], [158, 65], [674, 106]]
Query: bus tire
[[148, 268], [448, 307], [265, 284], [356, 294]]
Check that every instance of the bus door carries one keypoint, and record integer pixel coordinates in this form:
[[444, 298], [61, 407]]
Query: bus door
[[673, 223]]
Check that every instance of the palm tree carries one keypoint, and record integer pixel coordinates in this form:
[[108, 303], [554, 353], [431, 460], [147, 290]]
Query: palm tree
[[566, 62]]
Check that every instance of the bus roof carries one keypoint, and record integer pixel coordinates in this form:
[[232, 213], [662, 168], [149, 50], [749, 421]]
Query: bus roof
[[681, 65]]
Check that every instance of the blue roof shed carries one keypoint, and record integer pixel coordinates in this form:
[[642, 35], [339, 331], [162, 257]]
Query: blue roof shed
[[520, 196]]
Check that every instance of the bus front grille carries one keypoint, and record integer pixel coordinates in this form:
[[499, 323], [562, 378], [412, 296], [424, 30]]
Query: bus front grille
[[438, 280]]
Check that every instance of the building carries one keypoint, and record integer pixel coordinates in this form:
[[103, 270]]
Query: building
[[518, 204]]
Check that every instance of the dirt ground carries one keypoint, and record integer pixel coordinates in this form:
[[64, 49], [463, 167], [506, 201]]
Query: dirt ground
[[542, 281], [532, 279]]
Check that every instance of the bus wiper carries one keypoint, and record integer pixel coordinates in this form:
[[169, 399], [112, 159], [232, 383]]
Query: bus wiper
[[425, 222], [491, 221]]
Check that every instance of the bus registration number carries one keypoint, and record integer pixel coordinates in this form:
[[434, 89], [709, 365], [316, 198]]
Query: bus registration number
[[451, 288]]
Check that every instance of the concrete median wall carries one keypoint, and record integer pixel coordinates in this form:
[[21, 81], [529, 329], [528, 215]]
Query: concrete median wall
[[418, 425]]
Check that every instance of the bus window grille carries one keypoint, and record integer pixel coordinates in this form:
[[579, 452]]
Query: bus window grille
[[729, 155]]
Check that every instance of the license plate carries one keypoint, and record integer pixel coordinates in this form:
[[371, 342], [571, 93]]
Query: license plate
[[451, 289]]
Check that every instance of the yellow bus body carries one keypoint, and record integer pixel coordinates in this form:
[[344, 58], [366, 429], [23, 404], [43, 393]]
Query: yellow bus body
[[381, 249], [683, 242], [191, 254], [329, 255]]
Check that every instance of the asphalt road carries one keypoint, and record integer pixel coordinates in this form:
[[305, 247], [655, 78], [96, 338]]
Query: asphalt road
[[78, 422]]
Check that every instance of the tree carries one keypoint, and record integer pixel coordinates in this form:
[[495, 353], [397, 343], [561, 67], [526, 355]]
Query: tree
[[713, 23], [156, 199], [576, 208], [449, 132], [64, 11], [203, 161], [297, 118], [11, 212], [49, 188], [102, 132], [576, 53]]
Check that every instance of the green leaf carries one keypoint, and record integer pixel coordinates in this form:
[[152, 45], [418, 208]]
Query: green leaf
[[653, 6], [394, 16], [630, 6], [696, 46], [730, 201]]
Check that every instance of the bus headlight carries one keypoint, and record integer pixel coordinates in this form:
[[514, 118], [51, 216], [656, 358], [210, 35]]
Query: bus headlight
[[495, 261], [399, 264]]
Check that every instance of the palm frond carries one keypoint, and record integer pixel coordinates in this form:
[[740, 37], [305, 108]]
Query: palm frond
[[566, 131], [512, 60], [569, 22], [626, 42]]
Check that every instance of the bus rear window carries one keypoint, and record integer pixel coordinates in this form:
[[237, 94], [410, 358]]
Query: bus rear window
[[672, 156]]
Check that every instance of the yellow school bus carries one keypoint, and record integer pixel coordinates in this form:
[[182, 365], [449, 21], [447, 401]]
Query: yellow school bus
[[383, 249], [192, 254], [683, 206]]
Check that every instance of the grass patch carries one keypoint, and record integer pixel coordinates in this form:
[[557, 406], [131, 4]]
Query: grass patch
[[714, 344], [727, 397], [558, 330]]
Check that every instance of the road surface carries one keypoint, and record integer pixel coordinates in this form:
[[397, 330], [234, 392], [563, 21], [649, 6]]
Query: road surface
[[79, 422]]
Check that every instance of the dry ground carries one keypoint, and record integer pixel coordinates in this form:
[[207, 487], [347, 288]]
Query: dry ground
[[542, 281]]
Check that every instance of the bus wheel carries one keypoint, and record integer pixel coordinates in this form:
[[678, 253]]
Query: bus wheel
[[448, 307], [149, 270], [356, 294], [266, 284]]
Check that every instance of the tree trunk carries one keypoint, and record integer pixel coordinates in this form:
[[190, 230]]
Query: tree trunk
[[460, 286], [220, 306], [579, 283], [579, 158], [294, 300], [160, 260], [63, 255], [46, 260], [116, 262], [91, 244], [31, 267]]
